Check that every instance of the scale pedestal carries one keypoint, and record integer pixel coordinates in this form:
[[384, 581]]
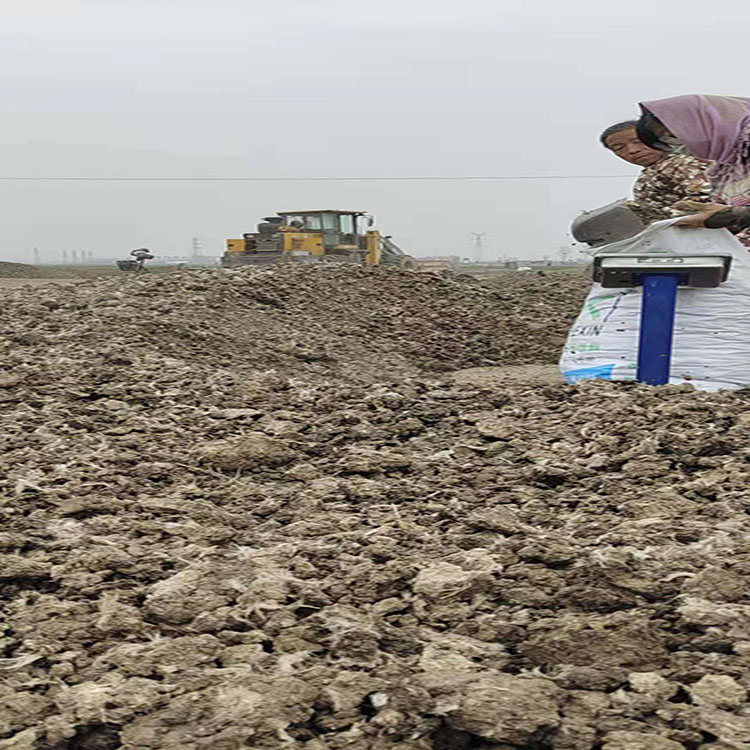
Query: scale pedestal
[[660, 276]]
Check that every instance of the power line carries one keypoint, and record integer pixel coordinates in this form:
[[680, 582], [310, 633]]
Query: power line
[[322, 179]]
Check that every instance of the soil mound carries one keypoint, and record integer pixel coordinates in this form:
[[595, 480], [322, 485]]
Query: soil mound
[[330, 322], [24, 271], [197, 555]]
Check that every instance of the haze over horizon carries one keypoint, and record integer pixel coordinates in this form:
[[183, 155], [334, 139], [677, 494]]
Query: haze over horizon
[[331, 89]]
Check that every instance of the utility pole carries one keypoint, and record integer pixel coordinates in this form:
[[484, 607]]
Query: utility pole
[[65, 256], [478, 245], [36, 256]]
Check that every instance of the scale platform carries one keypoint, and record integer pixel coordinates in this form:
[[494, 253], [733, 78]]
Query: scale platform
[[618, 271]]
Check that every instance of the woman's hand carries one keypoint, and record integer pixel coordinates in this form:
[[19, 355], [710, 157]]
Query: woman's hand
[[697, 207], [696, 221], [699, 213]]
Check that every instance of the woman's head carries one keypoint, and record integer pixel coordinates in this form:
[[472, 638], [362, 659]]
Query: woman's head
[[621, 139], [708, 127]]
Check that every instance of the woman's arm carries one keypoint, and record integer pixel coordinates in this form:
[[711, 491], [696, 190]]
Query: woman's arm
[[713, 216]]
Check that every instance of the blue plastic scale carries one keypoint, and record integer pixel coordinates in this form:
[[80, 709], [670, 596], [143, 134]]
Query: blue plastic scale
[[661, 276]]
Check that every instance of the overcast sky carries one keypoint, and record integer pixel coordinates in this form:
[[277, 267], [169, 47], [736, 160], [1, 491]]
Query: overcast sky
[[334, 88]]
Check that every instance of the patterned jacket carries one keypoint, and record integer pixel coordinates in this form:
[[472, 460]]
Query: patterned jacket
[[732, 183], [660, 186]]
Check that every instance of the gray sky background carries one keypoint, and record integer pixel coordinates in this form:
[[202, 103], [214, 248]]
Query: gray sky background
[[344, 88]]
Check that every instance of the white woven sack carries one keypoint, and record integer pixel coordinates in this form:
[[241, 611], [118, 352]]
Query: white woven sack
[[711, 347]]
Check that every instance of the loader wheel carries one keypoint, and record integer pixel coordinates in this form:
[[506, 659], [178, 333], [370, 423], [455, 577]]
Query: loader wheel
[[408, 263]]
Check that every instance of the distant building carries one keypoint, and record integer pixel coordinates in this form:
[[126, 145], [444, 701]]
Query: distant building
[[188, 260], [438, 262]]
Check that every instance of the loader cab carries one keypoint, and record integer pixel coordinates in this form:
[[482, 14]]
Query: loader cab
[[340, 230]]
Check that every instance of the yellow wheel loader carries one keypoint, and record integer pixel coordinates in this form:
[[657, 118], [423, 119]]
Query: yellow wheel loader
[[315, 236]]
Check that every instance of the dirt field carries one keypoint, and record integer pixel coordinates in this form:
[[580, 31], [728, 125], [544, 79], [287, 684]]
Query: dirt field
[[11, 272], [500, 377], [336, 508], [15, 283]]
